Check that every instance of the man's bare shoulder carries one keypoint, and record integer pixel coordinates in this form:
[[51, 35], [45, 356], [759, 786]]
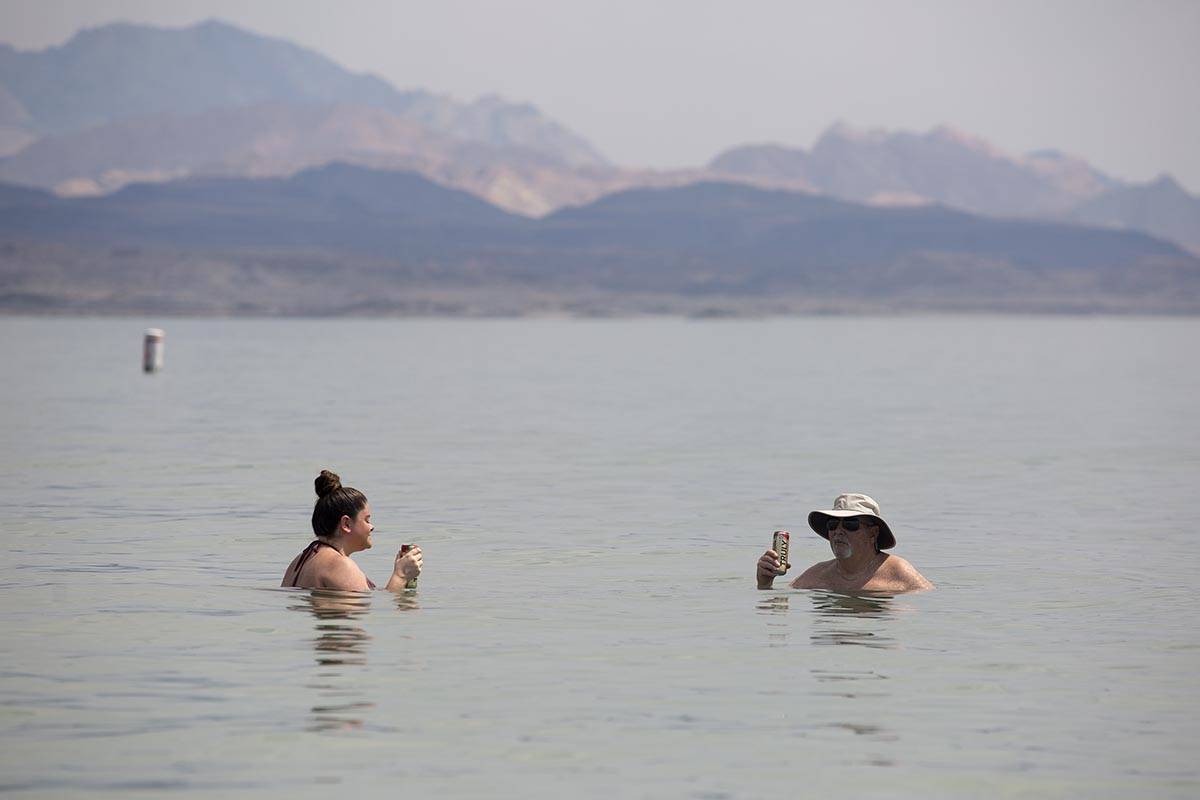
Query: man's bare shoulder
[[897, 570], [815, 576]]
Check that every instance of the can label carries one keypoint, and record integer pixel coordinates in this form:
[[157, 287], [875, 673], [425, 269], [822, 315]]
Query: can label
[[780, 545]]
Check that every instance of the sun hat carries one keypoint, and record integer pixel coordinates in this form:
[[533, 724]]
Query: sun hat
[[852, 505]]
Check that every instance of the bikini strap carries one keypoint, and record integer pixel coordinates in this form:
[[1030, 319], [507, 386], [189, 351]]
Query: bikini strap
[[313, 547]]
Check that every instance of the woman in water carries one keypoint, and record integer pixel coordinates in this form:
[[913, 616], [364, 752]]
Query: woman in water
[[341, 521]]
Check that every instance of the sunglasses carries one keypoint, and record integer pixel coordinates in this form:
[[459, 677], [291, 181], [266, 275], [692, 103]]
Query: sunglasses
[[852, 524]]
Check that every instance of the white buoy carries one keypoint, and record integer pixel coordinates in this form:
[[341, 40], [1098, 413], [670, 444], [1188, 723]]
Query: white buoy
[[152, 350]]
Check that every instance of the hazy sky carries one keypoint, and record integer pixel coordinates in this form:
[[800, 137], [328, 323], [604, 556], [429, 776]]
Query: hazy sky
[[673, 82]]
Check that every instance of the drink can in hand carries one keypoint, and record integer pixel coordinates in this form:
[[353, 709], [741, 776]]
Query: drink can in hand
[[411, 583], [780, 545]]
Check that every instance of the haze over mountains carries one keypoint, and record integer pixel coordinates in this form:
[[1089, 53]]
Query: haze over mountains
[[250, 140], [346, 239], [122, 72], [125, 103], [952, 168]]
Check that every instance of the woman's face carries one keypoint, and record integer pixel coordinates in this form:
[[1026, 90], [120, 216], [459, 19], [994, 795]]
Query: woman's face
[[358, 536]]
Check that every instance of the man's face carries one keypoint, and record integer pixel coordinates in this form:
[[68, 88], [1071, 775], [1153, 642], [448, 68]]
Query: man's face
[[852, 535]]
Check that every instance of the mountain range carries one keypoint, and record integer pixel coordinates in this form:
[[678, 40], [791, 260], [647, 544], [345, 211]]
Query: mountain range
[[344, 238], [212, 170], [123, 72], [129, 103], [955, 169]]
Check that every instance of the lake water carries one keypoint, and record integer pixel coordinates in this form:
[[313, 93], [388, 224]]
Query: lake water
[[591, 497]]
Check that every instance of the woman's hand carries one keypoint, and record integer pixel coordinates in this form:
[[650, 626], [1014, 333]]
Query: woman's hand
[[408, 563], [769, 568]]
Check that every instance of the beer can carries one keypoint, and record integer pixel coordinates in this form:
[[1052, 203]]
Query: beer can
[[780, 545], [411, 583]]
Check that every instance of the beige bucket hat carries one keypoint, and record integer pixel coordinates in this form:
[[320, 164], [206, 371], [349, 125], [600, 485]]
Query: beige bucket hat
[[852, 505]]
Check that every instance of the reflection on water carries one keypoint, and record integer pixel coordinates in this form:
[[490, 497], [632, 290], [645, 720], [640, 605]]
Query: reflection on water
[[337, 643], [340, 647], [858, 604], [779, 629], [330, 604], [776, 605], [875, 732], [857, 619], [850, 683], [406, 601]]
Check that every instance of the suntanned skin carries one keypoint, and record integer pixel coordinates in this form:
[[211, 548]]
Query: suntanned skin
[[331, 567], [857, 566]]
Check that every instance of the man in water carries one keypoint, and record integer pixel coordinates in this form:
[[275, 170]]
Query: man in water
[[858, 536]]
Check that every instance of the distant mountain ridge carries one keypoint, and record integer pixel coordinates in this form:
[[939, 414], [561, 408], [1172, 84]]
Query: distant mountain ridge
[[337, 206], [251, 141], [127, 103], [1161, 207], [958, 170], [772, 240], [124, 71], [341, 238], [940, 166]]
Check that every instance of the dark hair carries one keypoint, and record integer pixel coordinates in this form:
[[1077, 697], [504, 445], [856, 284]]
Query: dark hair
[[334, 501]]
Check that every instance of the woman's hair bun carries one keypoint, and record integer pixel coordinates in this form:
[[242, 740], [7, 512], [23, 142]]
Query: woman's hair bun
[[334, 501], [327, 482]]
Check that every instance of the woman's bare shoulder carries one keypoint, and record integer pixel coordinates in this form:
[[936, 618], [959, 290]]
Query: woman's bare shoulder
[[289, 573], [339, 572]]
